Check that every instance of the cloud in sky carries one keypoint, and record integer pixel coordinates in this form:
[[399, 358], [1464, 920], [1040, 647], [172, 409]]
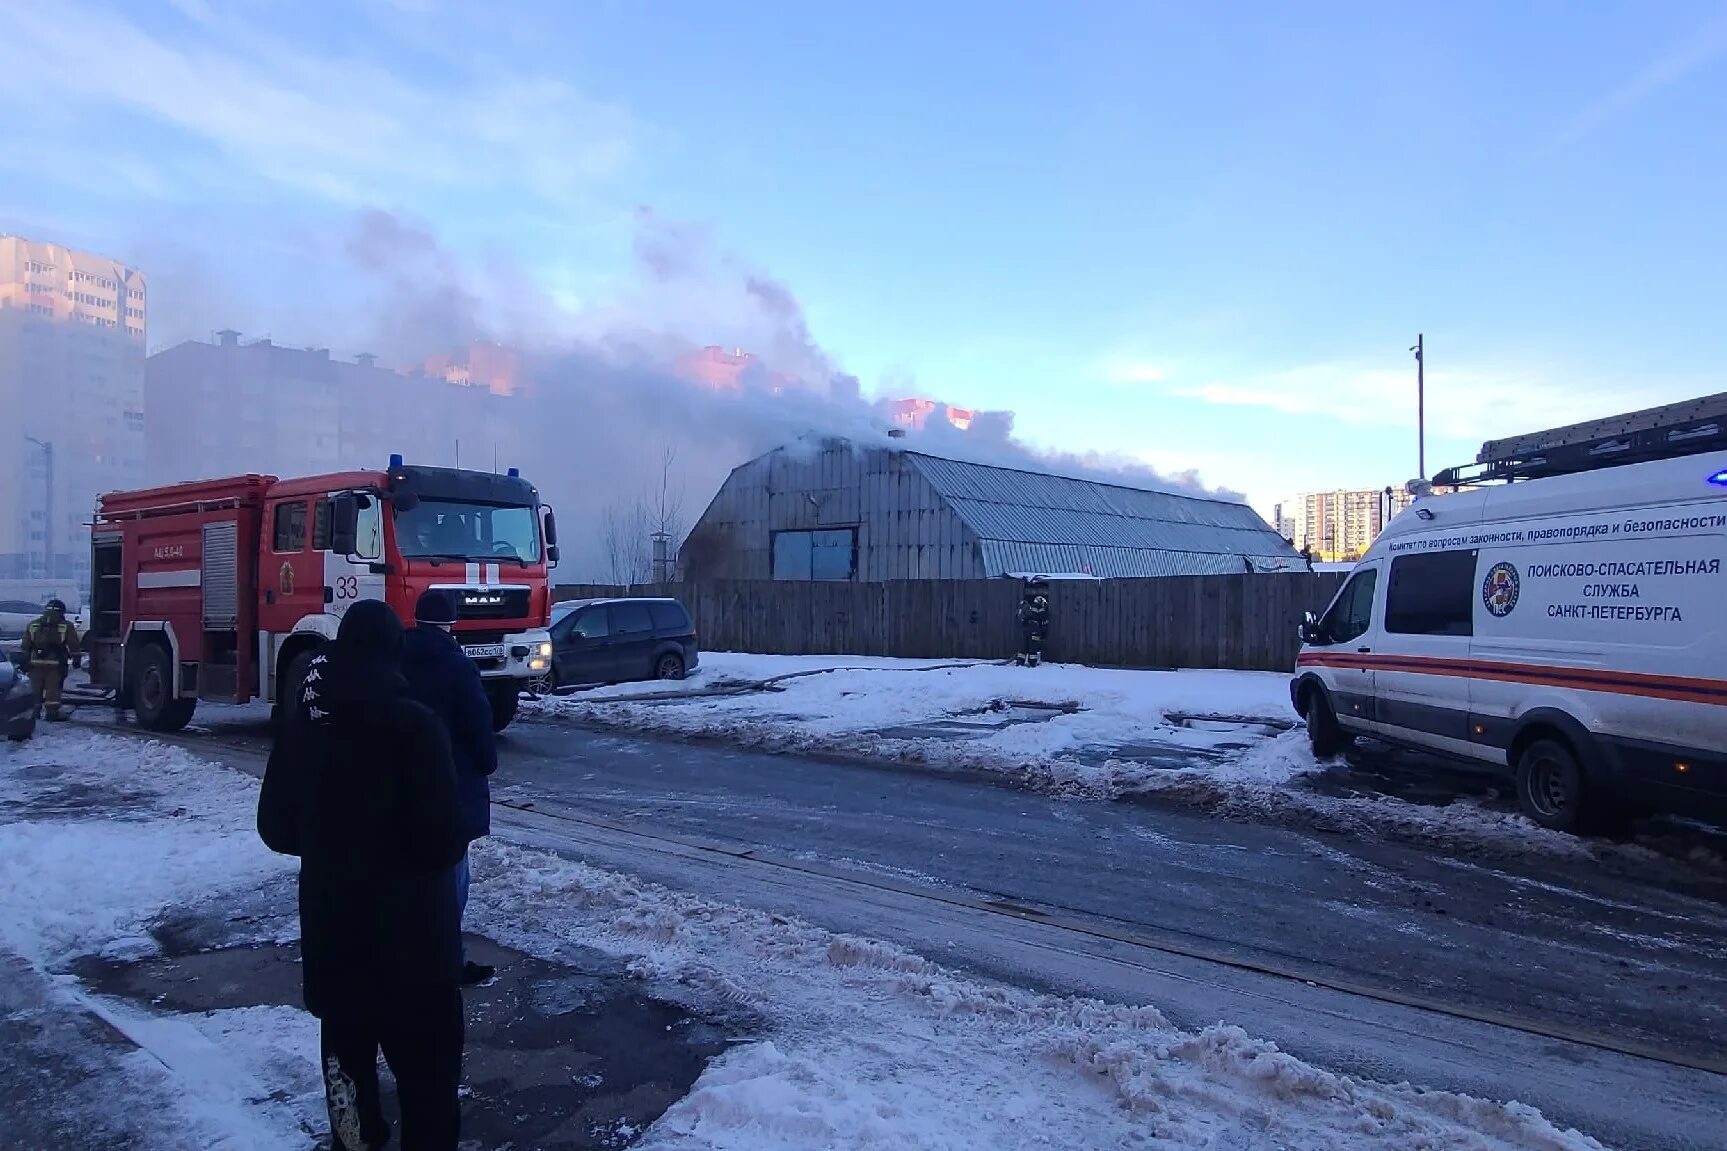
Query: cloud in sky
[[1465, 401], [342, 127], [1696, 51]]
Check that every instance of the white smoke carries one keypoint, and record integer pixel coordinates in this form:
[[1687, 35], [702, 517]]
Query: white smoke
[[610, 397]]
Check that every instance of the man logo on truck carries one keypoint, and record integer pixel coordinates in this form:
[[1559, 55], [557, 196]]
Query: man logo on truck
[[1499, 590]]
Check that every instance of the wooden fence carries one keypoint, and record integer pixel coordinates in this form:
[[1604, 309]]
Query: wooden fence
[[1231, 621]]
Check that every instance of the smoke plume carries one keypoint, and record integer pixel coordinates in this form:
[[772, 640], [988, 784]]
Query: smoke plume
[[609, 395]]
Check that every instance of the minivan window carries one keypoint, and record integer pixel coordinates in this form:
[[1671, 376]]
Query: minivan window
[[669, 616], [1352, 614], [631, 619], [1432, 594], [590, 624]]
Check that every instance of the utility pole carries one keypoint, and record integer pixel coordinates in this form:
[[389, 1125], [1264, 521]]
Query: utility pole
[[1420, 404], [48, 506]]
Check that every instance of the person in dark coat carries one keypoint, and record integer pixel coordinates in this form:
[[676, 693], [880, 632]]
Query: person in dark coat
[[1033, 615], [361, 785], [441, 676]]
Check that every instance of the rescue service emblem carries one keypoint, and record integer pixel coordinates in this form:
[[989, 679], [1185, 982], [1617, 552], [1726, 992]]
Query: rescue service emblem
[[285, 577], [1499, 590]]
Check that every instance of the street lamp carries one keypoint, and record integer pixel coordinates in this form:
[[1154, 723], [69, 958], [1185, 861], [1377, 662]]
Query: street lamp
[[1420, 405]]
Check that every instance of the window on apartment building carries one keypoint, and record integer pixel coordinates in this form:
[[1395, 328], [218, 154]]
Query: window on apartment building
[[830, 554], [1432, 594], [290, 528]]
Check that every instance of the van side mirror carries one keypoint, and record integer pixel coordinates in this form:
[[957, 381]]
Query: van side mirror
[[1309, 628], [345, 523]]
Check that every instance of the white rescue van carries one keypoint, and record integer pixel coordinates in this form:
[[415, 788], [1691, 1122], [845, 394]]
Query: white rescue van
[[1570, 629]]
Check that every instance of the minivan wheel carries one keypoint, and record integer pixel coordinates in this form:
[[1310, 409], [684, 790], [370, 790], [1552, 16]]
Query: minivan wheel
[[1551, 789], [1323, 733], [669, 667]]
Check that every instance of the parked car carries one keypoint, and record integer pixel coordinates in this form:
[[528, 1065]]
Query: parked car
[[619, 640], [15, 616], [17, 703]]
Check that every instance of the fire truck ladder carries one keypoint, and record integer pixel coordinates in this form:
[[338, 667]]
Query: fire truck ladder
[[1662, 433]]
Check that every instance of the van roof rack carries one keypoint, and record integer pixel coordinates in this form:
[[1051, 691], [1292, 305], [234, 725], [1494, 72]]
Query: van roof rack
[[1667, 432]]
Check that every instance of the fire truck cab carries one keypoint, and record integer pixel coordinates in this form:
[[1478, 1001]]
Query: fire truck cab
[[222, 590]]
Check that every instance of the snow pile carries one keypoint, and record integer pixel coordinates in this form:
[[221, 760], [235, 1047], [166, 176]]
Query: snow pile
[[1058, 721], [136, 832], [92, 883], [879, 1048]]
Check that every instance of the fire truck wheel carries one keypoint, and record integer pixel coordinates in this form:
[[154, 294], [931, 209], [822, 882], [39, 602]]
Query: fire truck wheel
[[153, 701], [505, 700]]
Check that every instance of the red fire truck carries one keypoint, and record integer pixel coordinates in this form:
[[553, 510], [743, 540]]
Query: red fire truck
[[223, 589]]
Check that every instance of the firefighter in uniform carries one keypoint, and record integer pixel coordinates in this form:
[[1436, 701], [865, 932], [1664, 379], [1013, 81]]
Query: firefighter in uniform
[[1033, 615], [50, 647]]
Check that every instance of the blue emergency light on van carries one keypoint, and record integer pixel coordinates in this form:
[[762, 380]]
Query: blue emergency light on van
[[1719, 478], [515, 473], [395, 460]]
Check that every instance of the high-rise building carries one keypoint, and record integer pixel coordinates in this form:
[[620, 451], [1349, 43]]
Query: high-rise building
[[1283, 519], [486, 365], [1340, 525], [915, 413], [72, 331], [237, 406]]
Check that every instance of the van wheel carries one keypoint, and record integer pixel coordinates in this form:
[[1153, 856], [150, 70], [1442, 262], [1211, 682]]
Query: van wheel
[[153, 701], [1551, 788], [669, 667], [1323, 733]]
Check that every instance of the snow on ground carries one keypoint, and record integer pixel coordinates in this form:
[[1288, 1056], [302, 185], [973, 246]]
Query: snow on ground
[[869, 1046], [1064, 719], [1216, 739]]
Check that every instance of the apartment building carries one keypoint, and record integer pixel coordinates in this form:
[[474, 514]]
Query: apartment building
[[233, 405], [72, 332], [1339, 525]]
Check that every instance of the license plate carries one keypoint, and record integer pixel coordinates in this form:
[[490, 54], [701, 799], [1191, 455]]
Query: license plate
[[485, 651]]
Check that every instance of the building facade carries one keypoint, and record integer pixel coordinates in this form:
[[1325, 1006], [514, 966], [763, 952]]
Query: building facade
[[1340, 525], [835, 510], [72, 332], [234, 406]]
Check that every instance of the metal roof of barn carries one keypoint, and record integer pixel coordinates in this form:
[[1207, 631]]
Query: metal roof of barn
[[1031, 521]]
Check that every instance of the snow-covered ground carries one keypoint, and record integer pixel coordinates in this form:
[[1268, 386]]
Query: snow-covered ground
[[1226, 740], [869, 1046], [1063, 721]]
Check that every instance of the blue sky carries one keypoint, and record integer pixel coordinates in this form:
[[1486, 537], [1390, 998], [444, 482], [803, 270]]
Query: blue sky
[[1200, 235]]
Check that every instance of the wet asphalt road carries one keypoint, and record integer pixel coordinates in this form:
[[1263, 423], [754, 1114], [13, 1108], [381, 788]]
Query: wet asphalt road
[[1561, 941]]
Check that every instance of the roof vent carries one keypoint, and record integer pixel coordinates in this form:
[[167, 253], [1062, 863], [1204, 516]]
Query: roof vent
[[896, 433]]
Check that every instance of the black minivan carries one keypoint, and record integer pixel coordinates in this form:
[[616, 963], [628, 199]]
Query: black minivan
[[617, 640]]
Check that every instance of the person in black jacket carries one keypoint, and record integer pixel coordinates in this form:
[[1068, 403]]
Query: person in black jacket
[[361, 786], [441, 676], [1033, 616]]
